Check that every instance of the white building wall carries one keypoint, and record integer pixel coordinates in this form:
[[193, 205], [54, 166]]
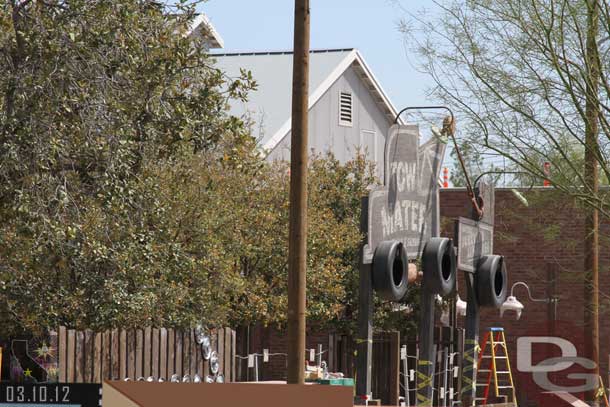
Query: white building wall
[[369, 124]]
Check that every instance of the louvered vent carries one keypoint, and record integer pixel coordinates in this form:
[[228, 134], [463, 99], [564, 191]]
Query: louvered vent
[[345, 109]]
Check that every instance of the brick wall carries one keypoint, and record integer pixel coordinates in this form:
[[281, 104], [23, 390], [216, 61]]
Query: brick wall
[[276, 341], [550, 231]]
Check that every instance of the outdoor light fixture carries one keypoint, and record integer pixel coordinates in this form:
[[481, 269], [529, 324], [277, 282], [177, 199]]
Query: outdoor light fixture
[[150, 379], [512, 304], [460, 306], [186, 378], [161, 380], [214, 365], [140, 379], [175, 378], [196, 379], [220, 378]]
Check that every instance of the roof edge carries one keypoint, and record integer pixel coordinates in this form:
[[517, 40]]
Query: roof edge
[[201, 20], [278, 52], [353, 56]]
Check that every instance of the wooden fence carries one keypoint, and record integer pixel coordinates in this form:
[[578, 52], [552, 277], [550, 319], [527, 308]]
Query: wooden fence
[[89, 357]]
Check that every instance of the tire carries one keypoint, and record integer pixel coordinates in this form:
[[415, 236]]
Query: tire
[[491, 281], [439, 265], [390, 270]]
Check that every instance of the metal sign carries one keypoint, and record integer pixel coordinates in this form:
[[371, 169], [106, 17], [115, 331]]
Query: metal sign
[[475, 239], [402, 208]]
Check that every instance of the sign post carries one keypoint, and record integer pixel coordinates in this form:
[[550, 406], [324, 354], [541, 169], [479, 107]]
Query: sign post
[[474, 240], [404, 209]]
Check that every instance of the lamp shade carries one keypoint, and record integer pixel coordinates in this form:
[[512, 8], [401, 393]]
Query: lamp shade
[[511, 304], [460, 306]]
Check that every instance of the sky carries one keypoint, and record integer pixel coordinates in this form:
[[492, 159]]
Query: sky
[[371, 26]]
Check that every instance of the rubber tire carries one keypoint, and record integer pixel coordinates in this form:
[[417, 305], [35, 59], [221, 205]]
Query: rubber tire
[[390, 270], [439, 265], [491, 281]]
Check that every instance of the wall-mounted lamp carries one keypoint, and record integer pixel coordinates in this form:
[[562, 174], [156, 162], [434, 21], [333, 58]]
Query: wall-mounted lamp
[[512, 304], [460, 307]]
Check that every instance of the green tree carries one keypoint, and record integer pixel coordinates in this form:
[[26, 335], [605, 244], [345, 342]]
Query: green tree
[[518, 77], [94, 95]]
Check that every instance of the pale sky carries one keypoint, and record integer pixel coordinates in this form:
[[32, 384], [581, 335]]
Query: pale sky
[[371, 26]]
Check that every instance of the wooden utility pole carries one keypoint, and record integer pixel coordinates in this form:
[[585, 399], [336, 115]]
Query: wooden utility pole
[[591, 281], [297, 246]]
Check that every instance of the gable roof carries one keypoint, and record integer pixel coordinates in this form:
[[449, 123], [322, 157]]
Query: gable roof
[[201, 26], [270, 105]]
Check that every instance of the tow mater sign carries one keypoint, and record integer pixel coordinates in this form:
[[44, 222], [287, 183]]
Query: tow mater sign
[[402, 209]]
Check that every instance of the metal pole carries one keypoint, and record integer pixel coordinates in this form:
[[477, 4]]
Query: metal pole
[[319, 356], [405, 369], [425, 364], [471, 346], [591, 283], [445, 372], [364, 342], [297, 245], [255, 367]]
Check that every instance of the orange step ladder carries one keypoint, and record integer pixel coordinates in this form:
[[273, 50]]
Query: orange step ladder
[[495, 365]]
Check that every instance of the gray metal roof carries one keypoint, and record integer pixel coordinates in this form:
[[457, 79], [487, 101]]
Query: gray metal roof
[[270, 105]]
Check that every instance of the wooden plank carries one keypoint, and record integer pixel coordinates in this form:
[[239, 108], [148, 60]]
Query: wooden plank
[[227, 354], [106, 355], [139, 353], [79, 353], [147, 352], [97, 357], [331, 352], [89, 336], [171, 353], [221, 349], [198, 360], [122, 354], [178, 353], [194, 369], [155, 353], [115, 358], [62, 354], [206, 363], [394, 367], [70, 359], [131, 354], [233, 377], [163, 353], [186, 353]]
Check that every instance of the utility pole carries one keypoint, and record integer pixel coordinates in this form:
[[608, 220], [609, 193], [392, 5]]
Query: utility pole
[[297, 245], [591, 263]]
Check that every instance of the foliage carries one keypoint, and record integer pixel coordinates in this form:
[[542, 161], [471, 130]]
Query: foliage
[[95, 95], [518, 76]]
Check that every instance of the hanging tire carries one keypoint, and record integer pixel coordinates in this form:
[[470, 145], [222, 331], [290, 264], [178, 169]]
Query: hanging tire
[[390, 270], [491, 281], [439, 265]]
